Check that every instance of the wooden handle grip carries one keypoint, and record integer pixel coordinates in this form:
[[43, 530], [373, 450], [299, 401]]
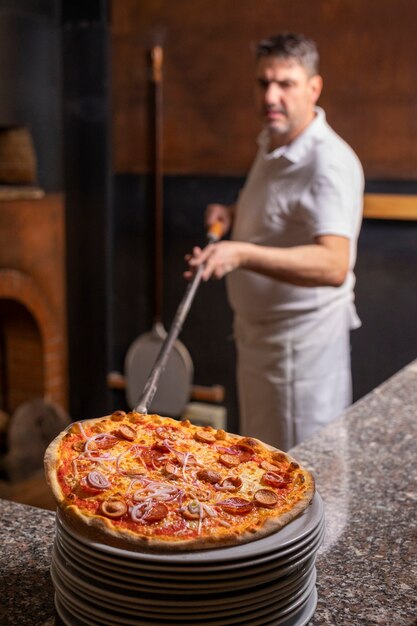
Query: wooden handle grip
[[157, 56], [215, 231]]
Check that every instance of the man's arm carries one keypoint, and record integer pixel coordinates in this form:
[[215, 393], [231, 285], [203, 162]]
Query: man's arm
[[324, 263]]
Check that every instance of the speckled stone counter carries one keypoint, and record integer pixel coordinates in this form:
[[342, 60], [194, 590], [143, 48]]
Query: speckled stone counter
[[366, 470], [26, 538]]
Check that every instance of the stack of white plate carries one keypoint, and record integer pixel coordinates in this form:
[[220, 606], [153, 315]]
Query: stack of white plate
[[268, 582]]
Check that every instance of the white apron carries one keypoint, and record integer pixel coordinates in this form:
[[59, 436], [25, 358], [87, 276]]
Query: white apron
[[294, 373]]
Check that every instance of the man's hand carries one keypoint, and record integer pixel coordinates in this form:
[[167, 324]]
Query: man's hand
[[324, 263], [219, 259]]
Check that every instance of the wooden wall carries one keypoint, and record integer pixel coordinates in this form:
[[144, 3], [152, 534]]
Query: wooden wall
[[369, 53], [368, 50]]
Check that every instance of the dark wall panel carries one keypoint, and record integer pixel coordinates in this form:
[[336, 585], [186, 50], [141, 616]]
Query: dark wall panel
[[208, 328], [30, 81], [386, 295], [89, 246], [386, 292], [368, 52]]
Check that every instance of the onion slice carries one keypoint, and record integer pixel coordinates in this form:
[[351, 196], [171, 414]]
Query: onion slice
[[97, 480]]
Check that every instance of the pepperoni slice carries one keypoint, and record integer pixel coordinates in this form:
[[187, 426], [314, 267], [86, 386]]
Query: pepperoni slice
[[171, 469], [125, 432], [209, 476], [193, 510], [161, 446], [266, 498], [248, 441], [236, 506], [103, 441], [241, 451], [231, 483], [273, 479], [113, 508], [117, 416], [168, 432], [229, 460], [245, 452], [269, 467], [87, 489], [225, 450], [156, 513], [153, 459], [94, 483], [204, 436]]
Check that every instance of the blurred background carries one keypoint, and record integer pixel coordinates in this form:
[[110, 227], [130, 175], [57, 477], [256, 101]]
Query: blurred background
[[77, 274]]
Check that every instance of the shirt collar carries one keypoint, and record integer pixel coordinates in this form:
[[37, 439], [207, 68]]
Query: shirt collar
[[295, 150]]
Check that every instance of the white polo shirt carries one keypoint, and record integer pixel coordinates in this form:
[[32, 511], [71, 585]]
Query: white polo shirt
[[314, 186]]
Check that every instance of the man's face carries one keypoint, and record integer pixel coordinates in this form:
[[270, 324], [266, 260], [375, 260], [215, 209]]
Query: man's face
[[285, 98]]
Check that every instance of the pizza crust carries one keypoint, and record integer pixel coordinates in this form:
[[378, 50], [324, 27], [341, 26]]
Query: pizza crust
[[99, 528], [51, 460]]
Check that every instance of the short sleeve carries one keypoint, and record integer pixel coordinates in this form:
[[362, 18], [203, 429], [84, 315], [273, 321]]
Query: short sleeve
[[333, 202]]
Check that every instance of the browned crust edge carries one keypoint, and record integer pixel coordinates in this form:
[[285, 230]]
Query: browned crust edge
[[101, 529], [50, 462]]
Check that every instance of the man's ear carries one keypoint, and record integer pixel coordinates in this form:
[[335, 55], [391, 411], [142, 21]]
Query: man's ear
[[316, 85]]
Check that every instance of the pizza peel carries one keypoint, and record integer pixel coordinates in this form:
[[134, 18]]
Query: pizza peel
[[157, 361], [170, 342], [175, 385]]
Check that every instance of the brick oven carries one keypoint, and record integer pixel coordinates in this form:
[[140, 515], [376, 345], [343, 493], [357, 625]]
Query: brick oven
[[32, 301], [33, 351], [33, 346]]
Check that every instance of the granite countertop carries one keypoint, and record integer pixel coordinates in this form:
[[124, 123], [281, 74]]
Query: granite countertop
[[366, 472], [365, 469]]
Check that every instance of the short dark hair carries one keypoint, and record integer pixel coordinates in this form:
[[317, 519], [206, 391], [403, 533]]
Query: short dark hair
[[291, 46]]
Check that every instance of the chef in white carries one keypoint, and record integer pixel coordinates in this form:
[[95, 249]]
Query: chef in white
[[289, 263]]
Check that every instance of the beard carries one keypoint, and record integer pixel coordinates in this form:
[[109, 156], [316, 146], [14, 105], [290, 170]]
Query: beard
[[279, 129], [277, 126]]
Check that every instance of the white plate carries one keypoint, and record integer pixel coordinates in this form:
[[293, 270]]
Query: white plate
[[68, 617], [84, 610], [175, 572], [195, 601], [94, 603], [299, 617], [191, 604], [167, 570], [120, 570], [201, 579], [183, 610], [292, 532], [144, 586]]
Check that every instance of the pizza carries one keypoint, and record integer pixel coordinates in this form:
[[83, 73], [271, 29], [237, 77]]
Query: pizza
[[152, 483]]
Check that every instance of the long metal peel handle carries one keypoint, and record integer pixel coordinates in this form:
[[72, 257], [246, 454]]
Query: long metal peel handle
[[214, 234]]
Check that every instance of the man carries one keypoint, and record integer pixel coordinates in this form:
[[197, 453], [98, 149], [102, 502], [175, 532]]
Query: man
[[292, 251]]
